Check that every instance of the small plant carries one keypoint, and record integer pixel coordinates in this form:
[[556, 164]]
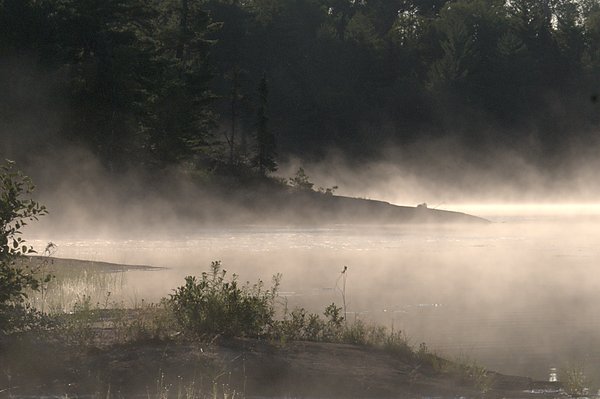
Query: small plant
[[423, 351], [472, 373], [334, 322], [214, 305], [328, 190], [299, 325], [314, 328], [427, 358], [342, 290], [481, 378], [77, 327], [301, 181], [355, 333], [293, 325], [150, 322], [574, 381], [169, 388], [46, 255], [396, 342]]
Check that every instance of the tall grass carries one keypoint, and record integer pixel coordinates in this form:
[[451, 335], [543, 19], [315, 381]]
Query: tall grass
[[70, 285], [574, 381]]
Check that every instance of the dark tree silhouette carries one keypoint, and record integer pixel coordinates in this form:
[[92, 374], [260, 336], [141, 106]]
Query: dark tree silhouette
[[265, 140]]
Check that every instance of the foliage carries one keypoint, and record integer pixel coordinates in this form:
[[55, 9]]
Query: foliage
[[19, 317], [300, 325], [16, 211], [397, 342], [89, 323], [265, 139], [327, 190], [471, 373], [149, 322], [180, 118], [78, 327], [139, 80], [301, 181], [479, 377], [334, 322], [303, 326], [213, 305], [574, 381]]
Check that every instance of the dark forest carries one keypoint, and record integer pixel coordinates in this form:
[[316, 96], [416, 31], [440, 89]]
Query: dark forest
[[239, 85]]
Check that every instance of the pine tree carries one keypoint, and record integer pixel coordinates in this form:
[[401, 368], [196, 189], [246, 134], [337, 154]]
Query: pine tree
[[181, 112], [235, 98], [265, 140]]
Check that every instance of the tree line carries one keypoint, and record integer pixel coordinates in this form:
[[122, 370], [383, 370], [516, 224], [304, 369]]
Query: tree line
[[229, 84]]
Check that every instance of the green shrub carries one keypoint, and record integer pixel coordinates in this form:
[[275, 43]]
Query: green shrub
[[300, 181], [16, 210], [334, 323], [355, 333], [299, 325], [314, 328], [292, 326], [397, 343], [213, 305]]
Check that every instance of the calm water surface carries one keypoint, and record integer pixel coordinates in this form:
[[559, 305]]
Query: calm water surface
[[519, 296]]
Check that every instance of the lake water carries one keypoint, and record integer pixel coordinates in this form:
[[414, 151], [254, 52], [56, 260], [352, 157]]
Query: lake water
[[519, 295]]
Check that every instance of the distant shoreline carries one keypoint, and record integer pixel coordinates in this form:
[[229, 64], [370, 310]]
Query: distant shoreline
[[309, 207], [107, 267]]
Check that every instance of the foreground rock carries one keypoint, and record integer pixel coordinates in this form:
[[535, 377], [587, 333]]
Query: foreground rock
[[250, 368]]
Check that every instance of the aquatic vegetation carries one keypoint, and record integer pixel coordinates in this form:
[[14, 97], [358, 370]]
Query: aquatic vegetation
[[574, 381], [69, 285]]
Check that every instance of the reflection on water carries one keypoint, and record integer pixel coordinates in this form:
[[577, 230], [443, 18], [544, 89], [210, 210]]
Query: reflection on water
[[518, 296]]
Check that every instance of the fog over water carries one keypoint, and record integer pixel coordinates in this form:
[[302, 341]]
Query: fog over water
[[519, 295], [98, 125]]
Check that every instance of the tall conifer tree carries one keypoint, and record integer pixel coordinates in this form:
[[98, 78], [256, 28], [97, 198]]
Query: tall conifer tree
[[265, 140]]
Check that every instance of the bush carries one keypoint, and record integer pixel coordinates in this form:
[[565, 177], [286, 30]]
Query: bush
[[16, 210], [213, 305], [301, 182], [334, 324]]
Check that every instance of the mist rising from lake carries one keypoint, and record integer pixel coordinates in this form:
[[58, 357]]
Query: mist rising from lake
[[520, 295]]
